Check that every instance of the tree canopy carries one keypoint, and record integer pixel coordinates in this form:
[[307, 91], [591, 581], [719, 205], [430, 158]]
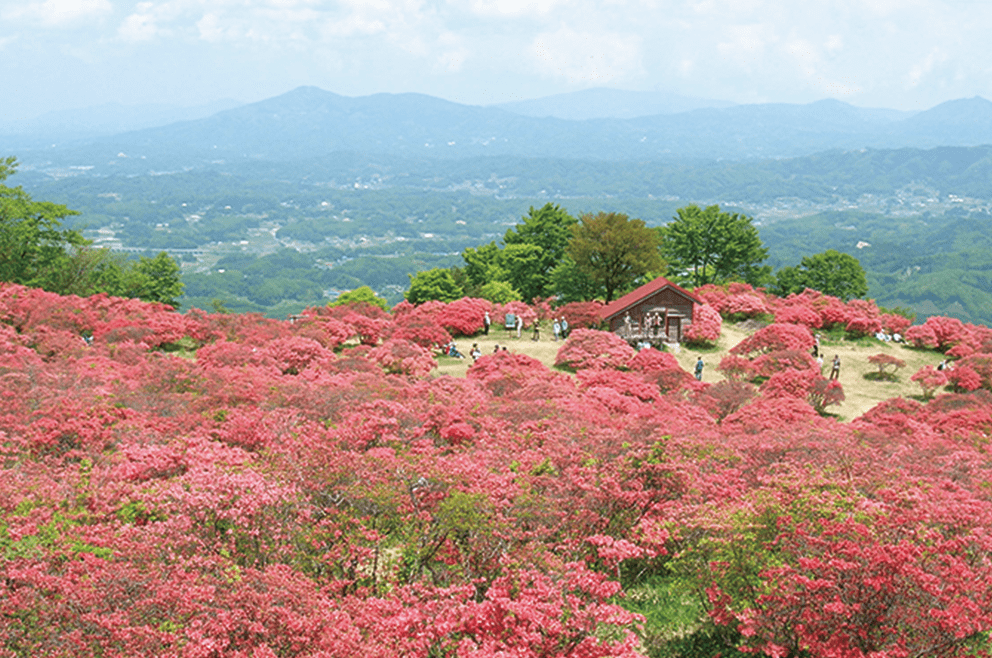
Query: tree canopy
[[36, 251], [548, 227], [436, 284], [830, 272], [709, 246], [34, 247], [613, 250]]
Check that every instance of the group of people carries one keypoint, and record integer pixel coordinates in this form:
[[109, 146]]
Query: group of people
[[451, 349], [885, 338], [559, 326]]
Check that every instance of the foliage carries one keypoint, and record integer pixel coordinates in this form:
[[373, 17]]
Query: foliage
[[613, 250], [547, 228], [570, 284], [580, 314], [929, 379], [705, 327], [589, 348], [270, 497], [33, 245], [883, 361], [830, 272], [429, 285], [775, 337], [35, 250], [499, 292], [362, 294], [402, 357], [710, 246]]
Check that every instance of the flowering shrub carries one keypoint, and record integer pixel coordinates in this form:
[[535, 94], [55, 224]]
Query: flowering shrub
[[771, 363], [293, 355], [938, 333], [775, 337], [588, 348], [507, 372], [419, 327], [862, 325], [403, 357], [705, 327], [883, 361], [724, 398], [152, 504], [743, 306], [929, 379], [518, 309], [736, 368], [465, 316], [893, 323], [580, 315], [805, 315]]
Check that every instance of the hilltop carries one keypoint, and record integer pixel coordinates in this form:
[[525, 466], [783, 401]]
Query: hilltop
[[228, 484]]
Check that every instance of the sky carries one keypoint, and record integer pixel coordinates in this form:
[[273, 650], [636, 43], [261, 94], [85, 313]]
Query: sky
[[900, 54]]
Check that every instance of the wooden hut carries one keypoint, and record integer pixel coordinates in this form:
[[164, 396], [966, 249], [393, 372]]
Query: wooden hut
[[657, 312]]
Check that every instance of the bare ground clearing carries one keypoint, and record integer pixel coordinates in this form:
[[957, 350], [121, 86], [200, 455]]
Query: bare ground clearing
[[861, 393]]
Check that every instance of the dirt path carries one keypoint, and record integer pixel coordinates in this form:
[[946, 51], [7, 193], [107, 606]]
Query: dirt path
[[861, 394]]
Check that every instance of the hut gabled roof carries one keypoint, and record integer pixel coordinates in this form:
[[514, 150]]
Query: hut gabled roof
[[618, 306]]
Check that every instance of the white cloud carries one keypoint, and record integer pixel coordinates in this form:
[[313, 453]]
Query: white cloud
[[141, 26], [744, 45], [515, 8], [588, 56], [453, 54], [922, 69], [59, 13]]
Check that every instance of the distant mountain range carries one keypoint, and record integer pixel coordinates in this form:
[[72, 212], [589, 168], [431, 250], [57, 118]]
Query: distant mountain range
[[603, 103], [309, 122]]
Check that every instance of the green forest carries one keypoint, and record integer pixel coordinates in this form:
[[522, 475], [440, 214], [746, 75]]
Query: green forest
[[257, 237]]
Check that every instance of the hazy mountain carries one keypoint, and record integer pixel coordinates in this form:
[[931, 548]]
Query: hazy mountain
[[101, 120], [309, 122], [603, 103], [962, 122]]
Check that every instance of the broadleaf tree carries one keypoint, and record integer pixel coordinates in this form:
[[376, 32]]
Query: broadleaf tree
[[435, 284], [33, 244], [548, 227], [705, 245], [613, 250], [830, 272]]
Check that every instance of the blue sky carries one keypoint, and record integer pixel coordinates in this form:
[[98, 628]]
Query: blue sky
[[904, 54]]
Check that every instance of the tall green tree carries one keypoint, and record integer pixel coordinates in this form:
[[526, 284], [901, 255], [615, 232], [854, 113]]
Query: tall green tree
[[613, 250], [361, 295], [709, 246], [34, 248], [36, 251], [548, 227], [429, 285], [831, 272]]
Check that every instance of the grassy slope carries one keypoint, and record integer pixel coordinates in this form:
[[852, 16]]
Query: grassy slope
[[861, 394]]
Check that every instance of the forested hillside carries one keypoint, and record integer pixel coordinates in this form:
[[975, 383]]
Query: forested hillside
[[276, 205]]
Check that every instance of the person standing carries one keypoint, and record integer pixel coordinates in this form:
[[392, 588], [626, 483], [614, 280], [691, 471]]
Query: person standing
[[835, 367], [485, 324], [564, 328], [699, 369], [537, 330], [520, 325], [556, 327]]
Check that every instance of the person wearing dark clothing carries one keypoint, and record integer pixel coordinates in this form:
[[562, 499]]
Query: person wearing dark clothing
[[835, 367], [699, 369]]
